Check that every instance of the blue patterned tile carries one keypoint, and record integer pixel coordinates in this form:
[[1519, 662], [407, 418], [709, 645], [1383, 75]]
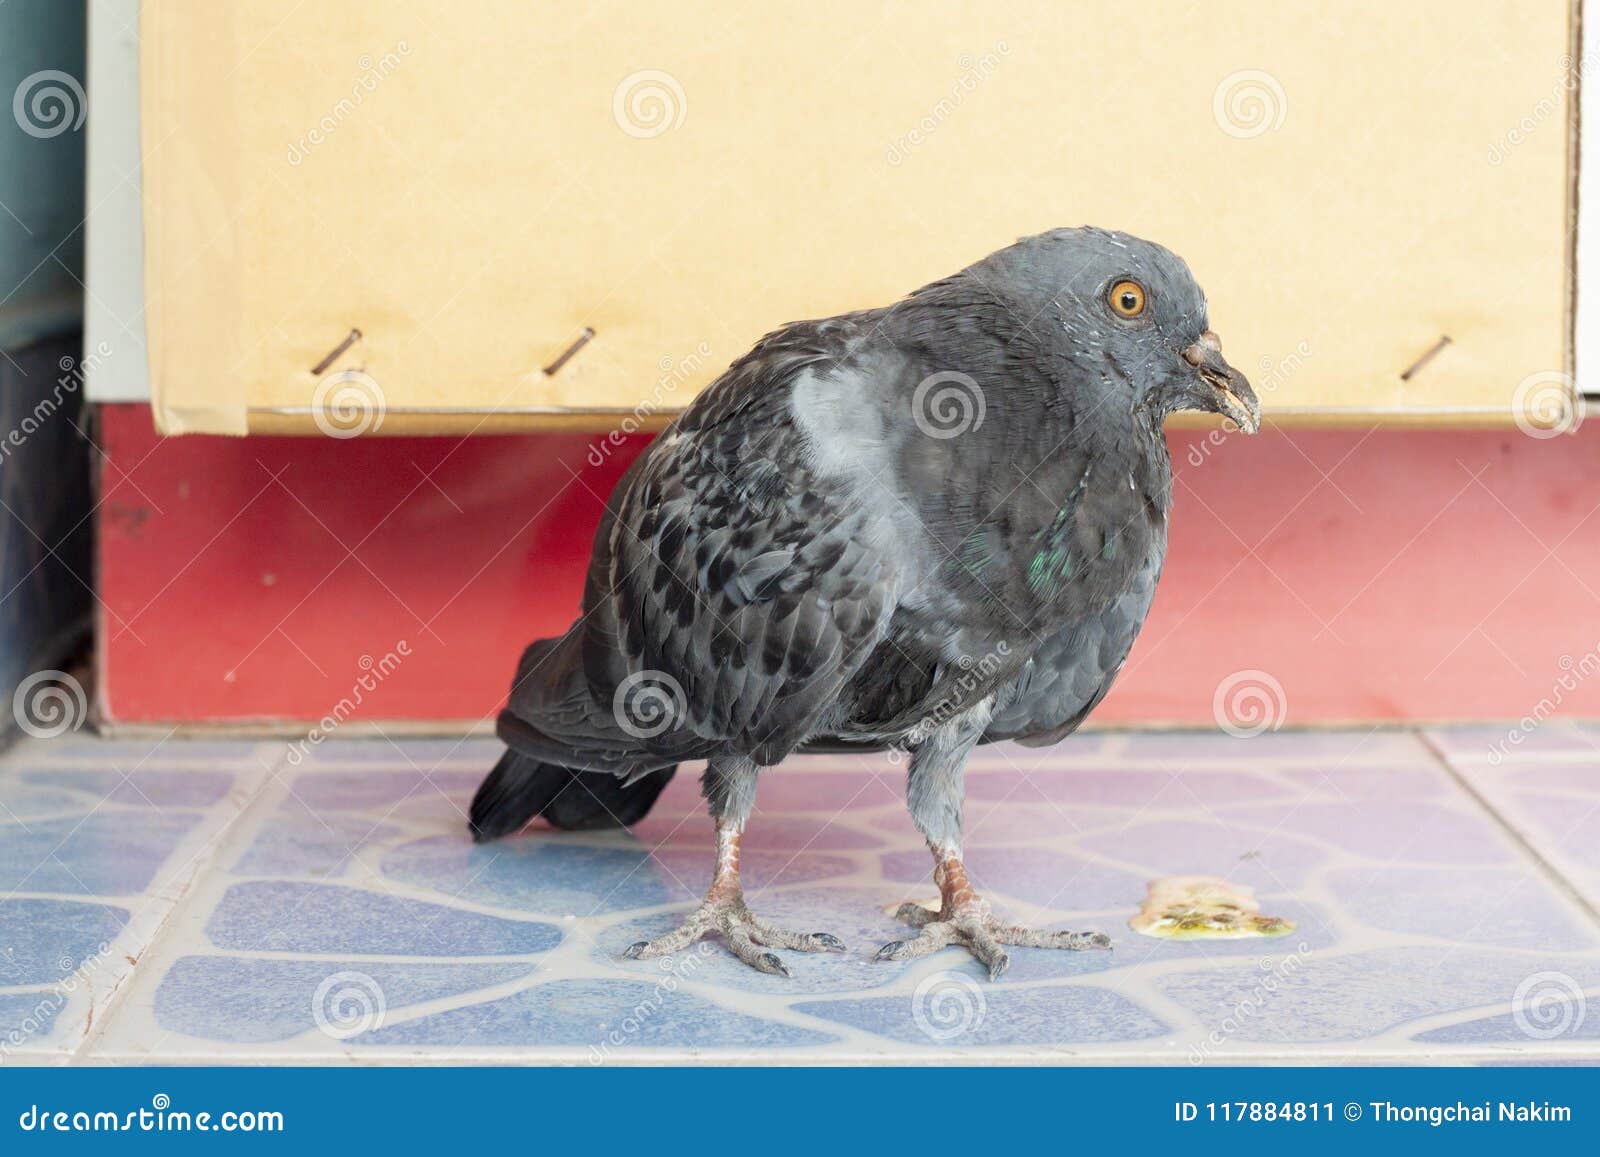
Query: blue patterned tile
[[1502, 907], [1571, 826], [1307, 820], [225, 998], [557, 875], [1055, 879], [605, 1017], [1357, 996], [1565, 1022], [143, 788], [791, 790], [130, 753], [19, 802], [424, 753], [106, 853], [1080, 747], [1205, 845], [326, 919], [543, 872], [952, 1010], [1378, 782], [27, 1018], [802, 833], [997, 822], [44, 941], [1130, 787], [1476, 742], [765, 830], [897, 826], [1334, 747], [759, 867], [1556, 808], [857, 765], [296, 842], [1132, 950], [374, 790], [1580, 779], [1415, 831]]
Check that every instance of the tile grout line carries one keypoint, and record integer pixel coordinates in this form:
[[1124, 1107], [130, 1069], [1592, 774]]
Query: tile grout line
[[1552, 873], [82, 1052]]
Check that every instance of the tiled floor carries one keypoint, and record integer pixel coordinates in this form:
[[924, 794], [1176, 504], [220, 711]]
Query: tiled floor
[[210, 901]]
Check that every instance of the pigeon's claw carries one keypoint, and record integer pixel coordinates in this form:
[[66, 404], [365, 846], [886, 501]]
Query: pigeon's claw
[[746, 936], [970, 926]]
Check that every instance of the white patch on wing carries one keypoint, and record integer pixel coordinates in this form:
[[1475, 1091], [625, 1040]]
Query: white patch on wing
[[845, 432]]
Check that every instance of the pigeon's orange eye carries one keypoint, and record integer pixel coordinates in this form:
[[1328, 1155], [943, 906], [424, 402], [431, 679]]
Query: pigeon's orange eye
[[1127, 298]]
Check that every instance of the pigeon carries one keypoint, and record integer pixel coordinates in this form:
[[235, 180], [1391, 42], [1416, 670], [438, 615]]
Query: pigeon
[[914, 529]]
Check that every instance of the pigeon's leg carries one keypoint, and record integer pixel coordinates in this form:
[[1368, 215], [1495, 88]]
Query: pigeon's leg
[[933, 793], [729, 786]]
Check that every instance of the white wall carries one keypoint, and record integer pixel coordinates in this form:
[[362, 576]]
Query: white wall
[[114, 262]]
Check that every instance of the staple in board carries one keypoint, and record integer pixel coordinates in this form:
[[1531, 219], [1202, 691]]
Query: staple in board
[[1427, 356], [332, 355], [566, 355]]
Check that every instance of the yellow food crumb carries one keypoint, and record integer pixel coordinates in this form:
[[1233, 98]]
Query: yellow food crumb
[[1203, 908]]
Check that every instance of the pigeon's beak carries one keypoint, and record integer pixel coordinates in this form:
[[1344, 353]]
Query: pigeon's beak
[[1222, 389]]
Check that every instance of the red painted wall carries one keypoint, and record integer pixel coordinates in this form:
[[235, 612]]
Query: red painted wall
[[1375, 575]]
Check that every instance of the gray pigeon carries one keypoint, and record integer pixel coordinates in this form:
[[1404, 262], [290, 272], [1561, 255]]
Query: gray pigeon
[[917, 528]]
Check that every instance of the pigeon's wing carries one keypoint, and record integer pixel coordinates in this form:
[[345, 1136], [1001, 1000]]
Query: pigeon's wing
[[738, 580], [1072, 670]]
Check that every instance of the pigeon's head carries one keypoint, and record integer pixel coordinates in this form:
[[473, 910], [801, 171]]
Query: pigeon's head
[[1128, 319]]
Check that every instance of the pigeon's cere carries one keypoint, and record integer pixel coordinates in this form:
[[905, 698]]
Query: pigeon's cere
[[922, 528]]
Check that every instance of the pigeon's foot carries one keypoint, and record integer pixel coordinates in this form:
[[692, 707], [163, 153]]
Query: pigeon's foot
[[747, 936], [963, 918], [973, 928], [723, 910]]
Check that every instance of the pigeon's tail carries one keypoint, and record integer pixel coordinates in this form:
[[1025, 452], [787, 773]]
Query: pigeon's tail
[[521, 787]]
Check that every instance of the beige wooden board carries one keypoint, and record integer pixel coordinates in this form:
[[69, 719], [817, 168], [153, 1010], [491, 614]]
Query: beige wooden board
[[481, 185]]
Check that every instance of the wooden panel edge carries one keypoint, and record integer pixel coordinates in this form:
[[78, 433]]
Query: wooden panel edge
[[460, 423]]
